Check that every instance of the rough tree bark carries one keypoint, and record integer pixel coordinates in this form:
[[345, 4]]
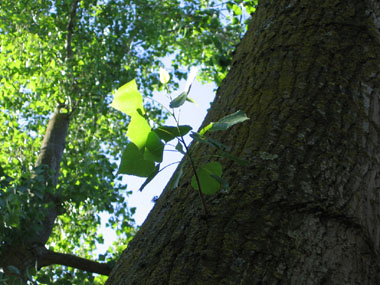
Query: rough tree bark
[[306, 209]]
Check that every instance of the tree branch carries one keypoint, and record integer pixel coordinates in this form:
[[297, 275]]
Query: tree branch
[[70, 28], [49, 257]]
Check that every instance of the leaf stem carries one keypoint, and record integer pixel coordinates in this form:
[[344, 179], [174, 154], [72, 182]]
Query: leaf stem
[[182, 140], [196, 176]]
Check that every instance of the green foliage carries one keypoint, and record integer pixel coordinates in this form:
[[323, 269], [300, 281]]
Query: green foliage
[[206, 175], [144, 159], [128, 99], [112, 41], [134, 163], [168, 133], [225, 123], [179, 101]]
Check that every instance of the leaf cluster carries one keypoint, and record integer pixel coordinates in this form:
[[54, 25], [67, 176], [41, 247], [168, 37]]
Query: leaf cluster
[[143, 154]]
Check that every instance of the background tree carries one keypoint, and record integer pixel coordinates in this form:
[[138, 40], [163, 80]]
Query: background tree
[[306, 208], [68, 56]]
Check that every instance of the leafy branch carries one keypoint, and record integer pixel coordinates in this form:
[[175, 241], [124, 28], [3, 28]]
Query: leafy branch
[[144, 153]]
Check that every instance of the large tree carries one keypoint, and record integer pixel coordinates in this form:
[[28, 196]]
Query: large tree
[[59, 63], [306, 207]]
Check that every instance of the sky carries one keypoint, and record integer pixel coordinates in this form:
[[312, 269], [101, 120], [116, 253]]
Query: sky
[[190, 114]]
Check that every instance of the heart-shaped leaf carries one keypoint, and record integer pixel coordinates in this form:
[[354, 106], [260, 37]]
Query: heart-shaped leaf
[[206, 173], [138, 130], [133, 162], [128, 99]]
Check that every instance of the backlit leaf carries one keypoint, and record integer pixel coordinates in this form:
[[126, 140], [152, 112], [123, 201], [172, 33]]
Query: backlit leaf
[[128, 99], [205, 129], [138, 130], [190, 100], [164, 76]]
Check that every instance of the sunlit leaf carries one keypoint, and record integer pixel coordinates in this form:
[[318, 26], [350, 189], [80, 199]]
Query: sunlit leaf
[[164, 76], [190, 100], [128, 99], [138, 130], [205, 129], [236, 9]]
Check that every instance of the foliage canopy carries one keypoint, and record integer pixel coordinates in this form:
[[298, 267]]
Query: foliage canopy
[[71, 55]]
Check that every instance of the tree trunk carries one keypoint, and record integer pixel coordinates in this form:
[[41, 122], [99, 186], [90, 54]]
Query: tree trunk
[[306, 208], [26, 250]]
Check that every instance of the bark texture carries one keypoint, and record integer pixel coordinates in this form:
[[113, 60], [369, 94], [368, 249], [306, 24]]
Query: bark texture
[[306, 209]]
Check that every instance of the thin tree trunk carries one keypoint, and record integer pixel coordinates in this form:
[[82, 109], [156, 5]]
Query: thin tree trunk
[[24, 253], [306, 208], [50, 155]]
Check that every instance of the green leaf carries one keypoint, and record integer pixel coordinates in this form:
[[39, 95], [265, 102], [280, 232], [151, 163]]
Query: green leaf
[[228, 121], [128, 99], [206, 175], [133, 162], [214, 143], [164, 76], [250, 9], [221, 181], [205, 129], [150, 177], [167, 133], [178, 101], [180, 148], [190, 100], [236, 9], [154, 148], [138, 130]]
